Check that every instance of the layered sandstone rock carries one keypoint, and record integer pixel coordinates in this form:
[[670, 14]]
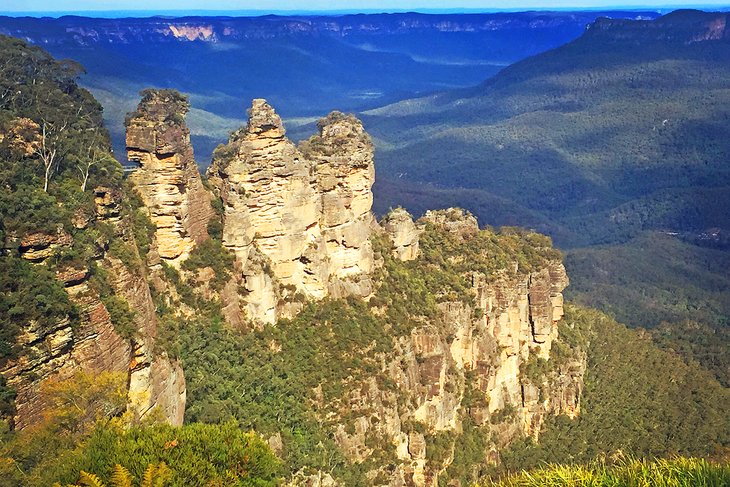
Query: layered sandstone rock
[[156, 383], [37, 247], [403, 232], [479, 348], [297, 220], [60, 350], [343, 160], [271, 202], [167, 179], [90, 343]]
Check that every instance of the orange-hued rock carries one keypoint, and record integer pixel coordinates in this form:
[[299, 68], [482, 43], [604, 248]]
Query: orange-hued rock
[[37, 247], [90, 341], [481, 345], [297, 218], [60, 350], [167, 178]]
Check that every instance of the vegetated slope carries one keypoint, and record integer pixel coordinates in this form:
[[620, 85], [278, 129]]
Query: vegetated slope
[[677, 290], [653, 278], [305, 65], [639, 400], [623, 129], [305, 377], [624, 472]]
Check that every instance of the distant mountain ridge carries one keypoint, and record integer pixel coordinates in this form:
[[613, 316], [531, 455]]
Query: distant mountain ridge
[[686, 26], [306, 65], [86, 30], [616, 144], [629, 116]]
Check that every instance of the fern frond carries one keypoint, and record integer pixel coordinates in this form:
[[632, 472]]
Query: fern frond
[[163, 474], [90, 480], [121, 477], [156, 475]]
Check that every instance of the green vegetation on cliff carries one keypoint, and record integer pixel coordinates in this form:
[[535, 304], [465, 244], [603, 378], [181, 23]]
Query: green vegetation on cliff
[[293, 383], [608, 144], [638, 400], [28, 293], [53, 152], [289, 378], [84, 431]]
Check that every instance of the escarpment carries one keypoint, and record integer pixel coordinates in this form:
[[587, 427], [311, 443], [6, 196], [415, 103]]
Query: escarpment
[[397, 341], [367, 353], [299, 215], [111, 330], [480, 361], [167, 179]]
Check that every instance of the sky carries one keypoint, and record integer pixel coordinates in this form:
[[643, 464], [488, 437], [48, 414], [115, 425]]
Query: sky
[[313, 5]]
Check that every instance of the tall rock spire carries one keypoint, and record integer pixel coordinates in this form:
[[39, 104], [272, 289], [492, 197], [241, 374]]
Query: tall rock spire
[[167, 179], [301, 215]]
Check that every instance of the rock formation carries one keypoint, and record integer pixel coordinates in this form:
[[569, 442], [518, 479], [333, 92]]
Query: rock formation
[[471, 354], [343, 159], [480, 350], [94, 345], [399, 226], [167, 179], [298, 220], [62, 349]]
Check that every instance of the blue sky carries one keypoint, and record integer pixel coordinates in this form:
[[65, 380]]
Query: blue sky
[[385, 5]]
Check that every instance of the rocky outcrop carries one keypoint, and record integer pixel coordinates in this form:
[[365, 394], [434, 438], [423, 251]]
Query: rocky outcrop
[[91, 342], [58, 351], [167, 179], [399, 226], [38, 247], [297, 219], [271, 203], [343, 160], [456, 221], [486, 358], [156, 383]]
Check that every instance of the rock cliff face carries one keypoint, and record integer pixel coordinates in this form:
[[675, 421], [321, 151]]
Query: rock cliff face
[[478, 361], [297, 219], [167, 178], [342, 154], [61, 350], [466, 320], [399, 226], [93, 345]]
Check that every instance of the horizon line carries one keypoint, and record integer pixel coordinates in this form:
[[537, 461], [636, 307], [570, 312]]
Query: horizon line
[[333, 12]]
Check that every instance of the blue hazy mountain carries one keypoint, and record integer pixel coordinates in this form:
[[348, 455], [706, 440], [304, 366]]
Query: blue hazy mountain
[[305, 65]]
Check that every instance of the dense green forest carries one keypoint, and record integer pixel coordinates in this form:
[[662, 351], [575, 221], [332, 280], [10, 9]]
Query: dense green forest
[[638, 400], [656, 406], [675, 289], [85, 432], [619, 131]]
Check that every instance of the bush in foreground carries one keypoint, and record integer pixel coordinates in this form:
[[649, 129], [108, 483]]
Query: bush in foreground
[[677, 472]]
